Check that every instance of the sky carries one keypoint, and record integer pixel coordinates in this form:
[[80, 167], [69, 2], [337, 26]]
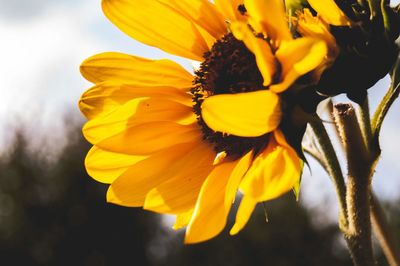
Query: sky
[[43, 44]]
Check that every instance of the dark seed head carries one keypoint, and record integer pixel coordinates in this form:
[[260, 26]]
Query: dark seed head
[[229, 67]]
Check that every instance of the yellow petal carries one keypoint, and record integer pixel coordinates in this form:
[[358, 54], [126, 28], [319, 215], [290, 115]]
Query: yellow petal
[[274, 172], [215, 200], [131, 187], [127, 69], [246, 207], [182, 220], [179, 193], [310, 26], [143, 126], [249, 114], [330, 12], [143, 139], [269, 17], [154, 23], [105, 166], [107, 96], [229, 9], [202, 12], [298, 57], [260, 48]]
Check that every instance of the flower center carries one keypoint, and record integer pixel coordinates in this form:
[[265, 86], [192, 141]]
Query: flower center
[[229, 67]]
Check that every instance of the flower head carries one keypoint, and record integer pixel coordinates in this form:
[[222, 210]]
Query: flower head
[[365, 35], [183, 144]]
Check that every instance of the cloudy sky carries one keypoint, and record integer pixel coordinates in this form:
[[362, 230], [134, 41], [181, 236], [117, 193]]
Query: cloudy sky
[[43, 43]]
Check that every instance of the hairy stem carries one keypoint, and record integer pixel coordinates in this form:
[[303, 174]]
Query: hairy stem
[[331, 163], [358, 232]]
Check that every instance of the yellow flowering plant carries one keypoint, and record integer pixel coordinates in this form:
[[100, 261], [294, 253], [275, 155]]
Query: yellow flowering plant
[[185, 143]]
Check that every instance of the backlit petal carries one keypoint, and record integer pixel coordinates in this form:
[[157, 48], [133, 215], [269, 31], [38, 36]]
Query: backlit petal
[[126, 69], [246, 207], [298, 57], [249, 114], [215, 200], [105, 166], [202, 12], [131, 187], [143, 126], [229, 8], [182, 220], [107, 96], [179, 193], [330, 12], [260, 48], [274, 172], [269, 17], [157, 24]]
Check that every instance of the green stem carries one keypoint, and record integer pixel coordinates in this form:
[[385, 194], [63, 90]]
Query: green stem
[[383, 233], [365, 121], [333, 167], [386, 102], [358, 232]]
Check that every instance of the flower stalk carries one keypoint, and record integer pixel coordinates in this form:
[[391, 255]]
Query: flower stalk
[[358, 189]]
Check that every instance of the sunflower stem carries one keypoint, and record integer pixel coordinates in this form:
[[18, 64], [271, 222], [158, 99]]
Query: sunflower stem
[[384, 234], [332, 166], [358, 190], [364, 120], [383, 108]]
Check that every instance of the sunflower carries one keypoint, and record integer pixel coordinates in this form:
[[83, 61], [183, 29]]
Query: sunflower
[[365, 35], [183, 144]]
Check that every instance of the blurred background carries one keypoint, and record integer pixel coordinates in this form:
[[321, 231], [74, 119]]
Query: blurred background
[[52, 213]]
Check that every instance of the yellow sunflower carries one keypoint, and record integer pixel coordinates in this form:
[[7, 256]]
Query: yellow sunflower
[[330, 12], [184, 144], [365, 39]]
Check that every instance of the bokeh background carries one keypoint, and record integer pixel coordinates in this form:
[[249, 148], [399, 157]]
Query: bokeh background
[[52, 213]]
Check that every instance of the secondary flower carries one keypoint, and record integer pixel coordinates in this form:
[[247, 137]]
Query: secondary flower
[[184, 144], [365, 35]]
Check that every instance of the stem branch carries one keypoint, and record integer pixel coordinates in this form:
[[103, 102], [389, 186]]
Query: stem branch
[[332, 166]]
